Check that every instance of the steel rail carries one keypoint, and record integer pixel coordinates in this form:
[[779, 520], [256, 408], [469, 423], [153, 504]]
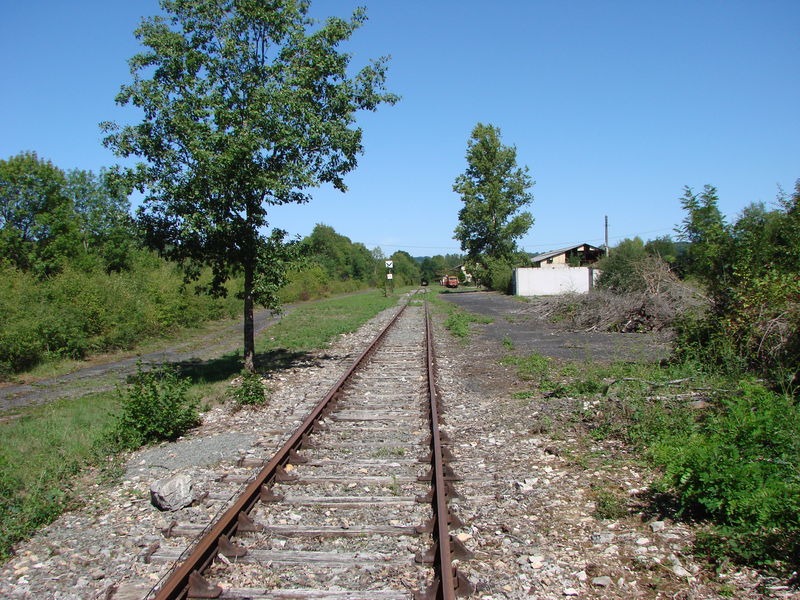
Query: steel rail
[[448, 583], [176, 586]]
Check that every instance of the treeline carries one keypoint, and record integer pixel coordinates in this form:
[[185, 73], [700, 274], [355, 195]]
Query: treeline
[[433, 268], [332, 263], [78, 278]]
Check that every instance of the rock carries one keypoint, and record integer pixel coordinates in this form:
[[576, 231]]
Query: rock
[[603, 581], [657, 526], [570, 591], [172, 494], [680, 571], [602, 537]]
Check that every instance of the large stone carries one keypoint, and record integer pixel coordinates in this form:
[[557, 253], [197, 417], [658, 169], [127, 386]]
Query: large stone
[[603, 581], [172, 494]]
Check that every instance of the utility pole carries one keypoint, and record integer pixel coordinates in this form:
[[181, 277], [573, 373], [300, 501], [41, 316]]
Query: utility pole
[[608, 250]]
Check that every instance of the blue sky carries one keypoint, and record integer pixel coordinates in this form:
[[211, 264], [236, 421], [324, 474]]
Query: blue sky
[[614, 106]]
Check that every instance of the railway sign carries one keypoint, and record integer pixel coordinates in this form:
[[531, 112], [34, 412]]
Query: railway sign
[[389, 276], [389, 264]]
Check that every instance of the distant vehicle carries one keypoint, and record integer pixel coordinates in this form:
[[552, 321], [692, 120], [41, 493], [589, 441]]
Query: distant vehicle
[[450, 281], [424, 282]]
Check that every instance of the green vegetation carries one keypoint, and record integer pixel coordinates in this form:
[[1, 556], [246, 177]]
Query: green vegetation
[[76, 313], [250, 391], [314, 325], [729, 460], [155, 407], [494, 189], [533, 367], [41, 452], [433, 268], [608, 503], [750, 271], [457, 320]]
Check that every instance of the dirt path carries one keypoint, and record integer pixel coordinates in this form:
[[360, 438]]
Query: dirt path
[[106, 376]]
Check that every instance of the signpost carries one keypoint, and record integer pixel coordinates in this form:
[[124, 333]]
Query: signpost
[[389, 277]]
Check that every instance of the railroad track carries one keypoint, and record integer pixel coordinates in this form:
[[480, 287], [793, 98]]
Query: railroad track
[[359, 503]]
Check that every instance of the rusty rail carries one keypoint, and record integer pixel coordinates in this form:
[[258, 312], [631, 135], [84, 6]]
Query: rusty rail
[[448, 581], [185, 580]]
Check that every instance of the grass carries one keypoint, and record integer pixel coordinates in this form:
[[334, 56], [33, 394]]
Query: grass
[[608, 503], [458, 320], [313, 325], [45, 449], [40, 454]]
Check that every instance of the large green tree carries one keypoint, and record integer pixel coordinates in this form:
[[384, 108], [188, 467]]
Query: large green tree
[[494, 189], [39, 229], [247, 103]]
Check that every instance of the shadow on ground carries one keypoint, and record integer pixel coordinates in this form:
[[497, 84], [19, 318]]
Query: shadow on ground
[[230, 365]]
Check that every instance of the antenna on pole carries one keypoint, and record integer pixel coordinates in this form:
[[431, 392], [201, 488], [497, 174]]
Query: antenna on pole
[[607, 248]]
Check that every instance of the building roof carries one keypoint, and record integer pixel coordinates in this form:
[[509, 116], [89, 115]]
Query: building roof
[[552, 253]]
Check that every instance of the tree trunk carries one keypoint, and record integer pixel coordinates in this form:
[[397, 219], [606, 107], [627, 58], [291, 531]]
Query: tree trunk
[[249, 337]]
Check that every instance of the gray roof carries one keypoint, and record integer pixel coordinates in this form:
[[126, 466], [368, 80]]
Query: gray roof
[[552, 253]]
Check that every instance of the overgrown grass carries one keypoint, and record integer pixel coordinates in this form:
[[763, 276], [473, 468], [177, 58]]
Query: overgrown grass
[[76, 313], [314, 325], [40, 453]]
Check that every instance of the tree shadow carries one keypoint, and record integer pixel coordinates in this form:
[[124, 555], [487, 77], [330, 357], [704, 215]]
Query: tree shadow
[[230, 365]]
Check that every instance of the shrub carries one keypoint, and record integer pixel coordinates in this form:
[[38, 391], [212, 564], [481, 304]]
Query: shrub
[[311, 282], [250, 390], [155, 407], [739, 468], [736, 468]]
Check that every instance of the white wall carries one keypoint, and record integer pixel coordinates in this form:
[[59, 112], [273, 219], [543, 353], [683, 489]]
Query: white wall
[[550, 282]]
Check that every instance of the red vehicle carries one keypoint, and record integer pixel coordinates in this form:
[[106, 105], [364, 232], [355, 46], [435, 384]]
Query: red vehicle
[[450, 281]]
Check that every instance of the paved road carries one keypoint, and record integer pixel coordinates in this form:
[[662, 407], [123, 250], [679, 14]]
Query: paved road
[[529, 332]]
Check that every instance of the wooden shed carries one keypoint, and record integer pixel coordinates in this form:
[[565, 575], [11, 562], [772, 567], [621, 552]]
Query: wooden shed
[[579, 255]]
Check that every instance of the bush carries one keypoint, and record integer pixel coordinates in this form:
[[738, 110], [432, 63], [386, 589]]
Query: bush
[[250, 390], [496, 274], [739, 467], [74, 313], [732, 465], [311, 282], [155, 407]]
